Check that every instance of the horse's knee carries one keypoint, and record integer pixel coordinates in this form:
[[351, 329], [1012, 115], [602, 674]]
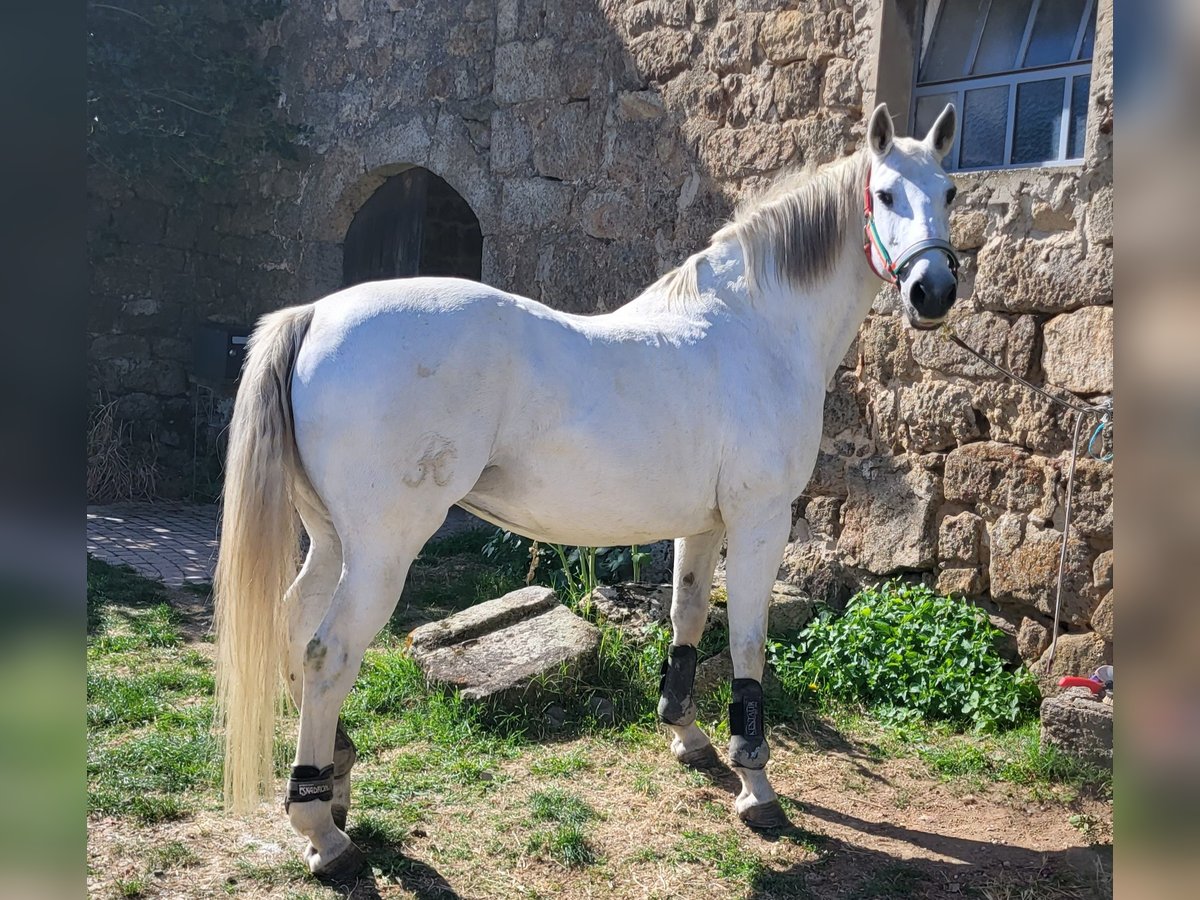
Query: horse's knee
[[748, 748], [676, 705]]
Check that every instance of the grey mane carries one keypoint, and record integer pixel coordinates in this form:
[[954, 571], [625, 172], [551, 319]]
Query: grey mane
[[793, 232]]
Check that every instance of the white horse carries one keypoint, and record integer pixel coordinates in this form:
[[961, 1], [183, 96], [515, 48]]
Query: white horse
[[370, 412]]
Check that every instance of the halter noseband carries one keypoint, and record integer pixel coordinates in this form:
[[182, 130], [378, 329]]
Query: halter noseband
[[893, 270]]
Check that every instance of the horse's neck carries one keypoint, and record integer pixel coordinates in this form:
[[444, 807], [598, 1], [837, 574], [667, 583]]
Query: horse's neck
[[821, 319]]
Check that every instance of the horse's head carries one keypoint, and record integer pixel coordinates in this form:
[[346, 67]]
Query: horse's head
[[907, 206]]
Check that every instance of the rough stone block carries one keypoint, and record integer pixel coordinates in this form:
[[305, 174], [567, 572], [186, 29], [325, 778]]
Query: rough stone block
[[1080, 725], [1102, 618], [1100, 217], [1075, 654], [817, 572], [511, 141], [526, 72], [638, 105], [755, 149], [961, 582], [566, 143], [797, 89], [1032, 639], [1077, 351], [1042, 274], [1006, 340], [884, 350], [787, 36], [503, 650], [1024, 569], [1092, 503], [1018, 416], [888, 518], [660, 55], [841, 87], [610, 215], [732, 46], [936, 416], [1000, 478], [633, 607], [960, 540], [823, 515], [534, 202], [641, 17], [1102, 571], [968, 228]]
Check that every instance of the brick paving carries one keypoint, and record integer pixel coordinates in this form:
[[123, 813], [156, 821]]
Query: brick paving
[[176, 543]]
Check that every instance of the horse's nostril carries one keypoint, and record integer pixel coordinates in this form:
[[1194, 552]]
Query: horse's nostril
[[917, 296]]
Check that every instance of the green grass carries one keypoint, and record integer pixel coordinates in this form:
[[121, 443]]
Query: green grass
[[722, 852], [561, 766], [566, 841], [152, 756]]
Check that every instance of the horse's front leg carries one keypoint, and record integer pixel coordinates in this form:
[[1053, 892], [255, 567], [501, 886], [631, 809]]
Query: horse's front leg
[[752, 563], [695, 562]]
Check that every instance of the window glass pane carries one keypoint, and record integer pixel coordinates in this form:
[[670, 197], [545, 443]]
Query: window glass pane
[[1079, 108], [929, 108], [1039, 120], [1089, 37], [985, 119], [951, 42], [1002, 36], [1054, 31]]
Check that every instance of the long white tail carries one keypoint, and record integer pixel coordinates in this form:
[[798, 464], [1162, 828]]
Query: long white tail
[[259, 555]]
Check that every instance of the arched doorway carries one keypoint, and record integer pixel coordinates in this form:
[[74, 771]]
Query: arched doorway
[[414, 224]]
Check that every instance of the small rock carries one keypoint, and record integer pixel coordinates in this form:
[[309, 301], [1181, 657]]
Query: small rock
[[555, 717], [601, 709], [506, 649], [1080, 725]]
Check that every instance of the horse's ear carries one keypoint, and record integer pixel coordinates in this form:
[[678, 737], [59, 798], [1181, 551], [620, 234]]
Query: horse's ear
[[880, 133], [941, 136]]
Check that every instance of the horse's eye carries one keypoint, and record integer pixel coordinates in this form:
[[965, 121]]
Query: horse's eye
[[885, 197], [951, 194]]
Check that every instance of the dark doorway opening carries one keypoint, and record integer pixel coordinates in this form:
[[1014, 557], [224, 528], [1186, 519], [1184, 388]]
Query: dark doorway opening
[[414, 224]]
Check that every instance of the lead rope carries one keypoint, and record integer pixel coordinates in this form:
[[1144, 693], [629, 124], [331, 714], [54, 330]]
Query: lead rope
[[1105, 411]]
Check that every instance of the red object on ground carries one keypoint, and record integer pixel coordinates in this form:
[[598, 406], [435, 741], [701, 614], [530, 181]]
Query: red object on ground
[[1076, 681]]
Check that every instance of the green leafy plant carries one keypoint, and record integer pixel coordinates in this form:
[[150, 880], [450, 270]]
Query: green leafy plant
[[908, 653]]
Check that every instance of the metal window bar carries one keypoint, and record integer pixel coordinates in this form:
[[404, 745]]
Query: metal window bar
[[1064, 128], [1021, 53], [977, 38], [1084, 21]]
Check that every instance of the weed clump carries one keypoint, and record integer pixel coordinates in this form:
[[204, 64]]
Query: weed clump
[[907, 653]]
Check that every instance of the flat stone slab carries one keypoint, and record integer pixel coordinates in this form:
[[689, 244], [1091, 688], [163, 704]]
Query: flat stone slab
[[508, 649], [1079, 725]]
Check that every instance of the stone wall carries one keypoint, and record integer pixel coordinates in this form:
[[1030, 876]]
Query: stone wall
[[599, 142]]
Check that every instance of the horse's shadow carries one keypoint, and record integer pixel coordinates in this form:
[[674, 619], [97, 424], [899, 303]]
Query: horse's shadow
[[419, 879]]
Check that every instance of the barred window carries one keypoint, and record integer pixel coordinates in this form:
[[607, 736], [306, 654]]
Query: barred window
[[1018, 71]]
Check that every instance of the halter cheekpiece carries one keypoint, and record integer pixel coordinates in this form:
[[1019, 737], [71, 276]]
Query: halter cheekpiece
[[893, 270]]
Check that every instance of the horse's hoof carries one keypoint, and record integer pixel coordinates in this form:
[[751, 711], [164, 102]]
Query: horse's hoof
[[339, 817], [701, 758], [349, 862], [765, 815]]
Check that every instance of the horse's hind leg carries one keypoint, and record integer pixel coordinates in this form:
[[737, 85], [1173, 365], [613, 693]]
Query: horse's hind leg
[[695, 561], [752, 562], [372, 579], [307, 603]]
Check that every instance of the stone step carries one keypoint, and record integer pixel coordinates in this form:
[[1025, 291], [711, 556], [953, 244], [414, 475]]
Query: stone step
[[513, 649]]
